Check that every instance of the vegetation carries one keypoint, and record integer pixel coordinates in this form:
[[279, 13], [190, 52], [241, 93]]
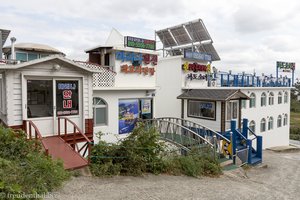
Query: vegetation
[[24, 169], [143, 152]]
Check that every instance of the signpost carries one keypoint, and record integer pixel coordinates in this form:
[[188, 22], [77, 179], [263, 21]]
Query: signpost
[[286, 67]]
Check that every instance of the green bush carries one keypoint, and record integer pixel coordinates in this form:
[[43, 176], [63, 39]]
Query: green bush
[[142, 152], [294, 133], [24, 169]]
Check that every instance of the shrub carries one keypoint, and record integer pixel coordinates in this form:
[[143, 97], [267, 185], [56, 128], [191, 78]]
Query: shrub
[[24, 169], [142, 152]]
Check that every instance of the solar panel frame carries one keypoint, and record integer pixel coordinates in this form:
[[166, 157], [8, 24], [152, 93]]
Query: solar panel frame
[[180, 35], [5, 34], [166, 38]]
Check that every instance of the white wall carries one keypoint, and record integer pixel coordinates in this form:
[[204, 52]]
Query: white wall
[[169, 87], [277, 136], [111, 130]]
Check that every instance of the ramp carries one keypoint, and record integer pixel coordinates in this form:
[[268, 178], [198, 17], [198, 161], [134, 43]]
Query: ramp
[[59, 149]]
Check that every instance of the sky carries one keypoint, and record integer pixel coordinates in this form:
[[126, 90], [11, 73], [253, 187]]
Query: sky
[[248, 35]]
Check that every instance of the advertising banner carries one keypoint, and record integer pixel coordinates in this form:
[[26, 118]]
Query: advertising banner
[[128, 114]]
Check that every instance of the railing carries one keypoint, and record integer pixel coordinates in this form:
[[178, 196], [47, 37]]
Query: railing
[[198, 128], [36, 135], [75, 132], [105, 77], [180, 135], [250, 80]]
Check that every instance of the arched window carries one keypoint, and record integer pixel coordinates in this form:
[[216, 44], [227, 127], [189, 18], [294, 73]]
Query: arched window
[[286, 97], [252, 100], [285, 120], [279, 119], [279, 97], [263, 125], [252, 127], [271, 98], [270, 123], [100, 111], [263, 99]]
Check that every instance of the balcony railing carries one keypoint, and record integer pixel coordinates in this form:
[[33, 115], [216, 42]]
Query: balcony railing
[[104, 78]]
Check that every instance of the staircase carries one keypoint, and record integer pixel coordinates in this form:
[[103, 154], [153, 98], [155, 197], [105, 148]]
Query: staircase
[[72, 146], [242, 144]]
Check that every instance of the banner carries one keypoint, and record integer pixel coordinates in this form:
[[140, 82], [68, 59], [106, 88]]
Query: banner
[[128, 114], [146, 106]]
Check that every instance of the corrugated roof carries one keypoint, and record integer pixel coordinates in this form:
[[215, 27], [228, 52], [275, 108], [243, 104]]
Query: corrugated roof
[[213, 94]]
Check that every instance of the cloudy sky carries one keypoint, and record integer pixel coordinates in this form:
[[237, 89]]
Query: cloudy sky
[[247, 35]]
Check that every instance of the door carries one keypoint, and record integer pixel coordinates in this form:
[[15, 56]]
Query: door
[[39, 106], [47, 99]]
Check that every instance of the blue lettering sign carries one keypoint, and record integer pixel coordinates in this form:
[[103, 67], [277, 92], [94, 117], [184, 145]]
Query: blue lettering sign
[[197, 55]]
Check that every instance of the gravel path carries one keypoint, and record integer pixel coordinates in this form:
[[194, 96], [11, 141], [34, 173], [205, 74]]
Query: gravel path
[[279, 179]]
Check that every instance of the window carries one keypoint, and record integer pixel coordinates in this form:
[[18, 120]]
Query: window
[[286, 97], [32, 56], [252, 100], [279, 98], [21, 56], [263, 99], [244, 104], [279, 119], [271, 98], [252, 126], [67, 97], [100, 111], [285, 120], [202, 109], [232, 110], [263, 125], [270, 123]]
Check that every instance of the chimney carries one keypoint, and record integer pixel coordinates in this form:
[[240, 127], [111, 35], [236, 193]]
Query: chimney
[[13, 55]]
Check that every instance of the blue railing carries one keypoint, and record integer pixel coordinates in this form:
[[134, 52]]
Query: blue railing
[[249, 80]]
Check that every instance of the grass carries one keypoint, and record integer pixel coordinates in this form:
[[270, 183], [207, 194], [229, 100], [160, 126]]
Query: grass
[[295, 120]]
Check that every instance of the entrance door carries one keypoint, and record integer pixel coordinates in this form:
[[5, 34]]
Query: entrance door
[[40, 105], [49, 98]]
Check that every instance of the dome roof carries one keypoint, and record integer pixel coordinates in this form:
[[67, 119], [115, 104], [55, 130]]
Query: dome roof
[[33, 47]]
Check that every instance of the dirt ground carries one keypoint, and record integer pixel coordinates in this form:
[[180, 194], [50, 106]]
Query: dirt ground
[[277, 178]]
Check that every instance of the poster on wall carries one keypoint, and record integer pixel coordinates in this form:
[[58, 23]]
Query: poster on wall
[[67, 102], [128, 114], [146, 106]]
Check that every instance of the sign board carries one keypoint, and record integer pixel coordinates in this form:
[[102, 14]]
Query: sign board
[[285, 66], [67, 102], [197, 55], [139, 43], [128, 114]]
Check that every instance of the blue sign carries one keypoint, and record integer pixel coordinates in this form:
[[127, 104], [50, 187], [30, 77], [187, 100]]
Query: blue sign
[[128, 114], [197, 55], [129, 56]]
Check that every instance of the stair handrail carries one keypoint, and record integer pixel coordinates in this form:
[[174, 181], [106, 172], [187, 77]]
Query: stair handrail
[[240, 134], [179, 125], [249, 129], [205, 127], [75, 127], [38, 135]]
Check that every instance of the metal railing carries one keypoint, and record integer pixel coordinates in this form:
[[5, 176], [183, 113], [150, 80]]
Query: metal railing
[[75, 132], [29, 126]]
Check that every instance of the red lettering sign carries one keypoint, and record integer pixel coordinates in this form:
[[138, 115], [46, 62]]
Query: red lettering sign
[[67, 104], [67, 94]]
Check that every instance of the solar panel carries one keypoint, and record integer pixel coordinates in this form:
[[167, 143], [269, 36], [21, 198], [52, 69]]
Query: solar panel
[[178, 38], [5, 34], [180, 35], [197, 31], [166, 38]]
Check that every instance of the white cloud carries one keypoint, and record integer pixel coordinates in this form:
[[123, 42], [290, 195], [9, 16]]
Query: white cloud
[[246, 34]]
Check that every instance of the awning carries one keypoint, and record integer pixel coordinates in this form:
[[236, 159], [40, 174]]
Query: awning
[[213, 94]]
